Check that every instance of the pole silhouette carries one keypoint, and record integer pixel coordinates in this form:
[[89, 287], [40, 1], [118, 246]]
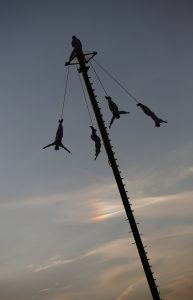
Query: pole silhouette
[[112, 160]]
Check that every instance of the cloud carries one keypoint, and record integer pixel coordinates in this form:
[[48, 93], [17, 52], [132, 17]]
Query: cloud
[[118, 273], [105, 209], [107, 251], [171, 173], [82, 206], [112, 250], [91, 206], [44, 290], [179, 204], [116, 263], [53, 262], [130, 291], [190, 169], [180, 287]]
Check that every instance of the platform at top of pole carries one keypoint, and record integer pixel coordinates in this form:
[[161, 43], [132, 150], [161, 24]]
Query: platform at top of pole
[[88, 56]]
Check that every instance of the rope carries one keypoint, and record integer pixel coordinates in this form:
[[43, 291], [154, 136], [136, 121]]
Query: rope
[[62, 112], [85, 100], [98, 79], [112, 77]]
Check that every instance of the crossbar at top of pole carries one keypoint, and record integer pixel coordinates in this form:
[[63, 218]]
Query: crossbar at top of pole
[[108, 147]]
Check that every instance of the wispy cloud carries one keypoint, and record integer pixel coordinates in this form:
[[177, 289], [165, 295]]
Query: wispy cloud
[[44, 290], [180, 287], [172, 172], [107, 251], [190, 169], [53, 262], [130, 290], [175, 205]]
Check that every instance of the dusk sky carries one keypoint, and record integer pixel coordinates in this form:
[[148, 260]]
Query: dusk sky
[[63, 234]]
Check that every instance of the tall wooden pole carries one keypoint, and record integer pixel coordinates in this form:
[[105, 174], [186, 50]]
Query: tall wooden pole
[[147, 268]]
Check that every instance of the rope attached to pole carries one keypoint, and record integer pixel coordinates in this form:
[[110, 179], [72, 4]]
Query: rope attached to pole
[[98, 79], [85, 99], [62, 112], [113, 78]]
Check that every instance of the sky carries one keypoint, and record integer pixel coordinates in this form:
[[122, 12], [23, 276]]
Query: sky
[[63, 234]]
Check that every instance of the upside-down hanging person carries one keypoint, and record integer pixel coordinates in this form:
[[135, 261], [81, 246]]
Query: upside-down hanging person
[[151, 114], [97, 141], [58, 139], [115, 111]]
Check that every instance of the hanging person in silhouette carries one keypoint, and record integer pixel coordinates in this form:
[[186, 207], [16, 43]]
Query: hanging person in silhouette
[[58, 139], [97, 141], [151, 114], [77, 45], [115, 111]]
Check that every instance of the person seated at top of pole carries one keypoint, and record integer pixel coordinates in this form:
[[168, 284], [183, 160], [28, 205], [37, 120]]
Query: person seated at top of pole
[[115, 111], [151, 114], [77, 45], [58, 139], [97, 141]]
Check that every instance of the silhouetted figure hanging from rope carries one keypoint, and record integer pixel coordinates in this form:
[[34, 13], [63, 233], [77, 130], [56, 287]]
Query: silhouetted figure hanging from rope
[[77, 45], [151, 114], [97, 141], [58, 139], [115, 111]]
